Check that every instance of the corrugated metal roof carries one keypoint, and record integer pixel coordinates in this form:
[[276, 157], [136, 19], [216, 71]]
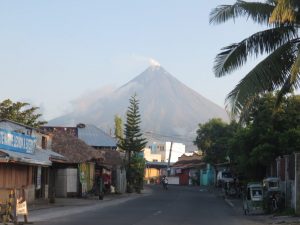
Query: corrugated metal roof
[[94, 136], [40, 157]]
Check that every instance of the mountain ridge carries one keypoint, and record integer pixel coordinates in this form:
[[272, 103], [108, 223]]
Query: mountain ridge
[[167, 106]]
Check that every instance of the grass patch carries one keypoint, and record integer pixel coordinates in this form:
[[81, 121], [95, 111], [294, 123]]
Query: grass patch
[[286, 212]]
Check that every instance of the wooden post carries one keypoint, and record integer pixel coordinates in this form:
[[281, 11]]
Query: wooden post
[[24, 199], [15, 217], [170, 153]]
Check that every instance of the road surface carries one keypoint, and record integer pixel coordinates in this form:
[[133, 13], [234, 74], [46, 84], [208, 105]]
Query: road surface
[[176, 206]]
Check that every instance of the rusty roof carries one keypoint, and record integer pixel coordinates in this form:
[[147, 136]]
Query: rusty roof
[[74, 149], [77, 151]]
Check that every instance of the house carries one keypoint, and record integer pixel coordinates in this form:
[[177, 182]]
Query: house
[[25, 160], [95, 137], [76, 175], [111, 168], [187, 168], [167, 150], [90, 134], [154, 170], [159, 157]]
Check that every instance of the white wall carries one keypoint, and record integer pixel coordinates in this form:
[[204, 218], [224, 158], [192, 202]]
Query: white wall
[[173, 180], [71, 180]]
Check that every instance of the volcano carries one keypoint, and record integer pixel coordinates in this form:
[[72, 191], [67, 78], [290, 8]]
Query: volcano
[[168, 108]]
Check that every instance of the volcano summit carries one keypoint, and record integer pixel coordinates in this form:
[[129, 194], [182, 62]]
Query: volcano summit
[[167, 106]]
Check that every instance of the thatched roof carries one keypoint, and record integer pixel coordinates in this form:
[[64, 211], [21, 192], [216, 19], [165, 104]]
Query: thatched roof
[[75, 150], [111, 157]]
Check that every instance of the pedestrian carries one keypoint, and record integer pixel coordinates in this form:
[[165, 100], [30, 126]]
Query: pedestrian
[[165, 182]]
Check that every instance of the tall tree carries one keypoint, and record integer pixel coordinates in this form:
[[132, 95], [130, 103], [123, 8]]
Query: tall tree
[[20, 112], [133, 142], [280, 69], [118, 127]]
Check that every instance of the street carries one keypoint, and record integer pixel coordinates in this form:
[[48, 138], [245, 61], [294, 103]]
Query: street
[[176, 206]]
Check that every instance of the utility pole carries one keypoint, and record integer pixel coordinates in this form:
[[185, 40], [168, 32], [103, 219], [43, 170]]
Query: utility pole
[[168, 169]]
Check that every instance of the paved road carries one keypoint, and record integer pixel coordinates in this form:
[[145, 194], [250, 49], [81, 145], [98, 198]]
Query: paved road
[[177, 206]]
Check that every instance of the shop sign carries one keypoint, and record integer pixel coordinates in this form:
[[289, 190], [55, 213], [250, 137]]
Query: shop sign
[[17, 142], [21, 208]]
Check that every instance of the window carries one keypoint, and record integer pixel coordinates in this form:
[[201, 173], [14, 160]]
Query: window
[[256, 193], [44, 142]]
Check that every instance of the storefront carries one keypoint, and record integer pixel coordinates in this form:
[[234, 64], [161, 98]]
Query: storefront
[[23, 162]]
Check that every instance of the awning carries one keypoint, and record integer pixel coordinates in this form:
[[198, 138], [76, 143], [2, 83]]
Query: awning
[[158, 165], [40, 157]]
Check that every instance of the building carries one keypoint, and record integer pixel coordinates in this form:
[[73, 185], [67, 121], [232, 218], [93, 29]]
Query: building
[[75, 176], [25, 159], [111, 167], [157, 158], [167, 149], [187, 168], [150, 156], [90, 134]]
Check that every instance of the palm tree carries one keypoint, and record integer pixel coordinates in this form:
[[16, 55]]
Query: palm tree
[[279, 70]]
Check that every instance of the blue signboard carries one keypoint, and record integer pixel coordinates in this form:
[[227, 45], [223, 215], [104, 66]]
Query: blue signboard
[[17, 142]]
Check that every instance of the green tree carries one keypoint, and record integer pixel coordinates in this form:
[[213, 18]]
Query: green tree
[[20, 112], [118, 127], [212, 140], [138, 164], [132, 142], [279, 70], [266, 134]]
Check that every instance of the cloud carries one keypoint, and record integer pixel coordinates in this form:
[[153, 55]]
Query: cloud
[[86, 100], [145, 59], [154, 62]]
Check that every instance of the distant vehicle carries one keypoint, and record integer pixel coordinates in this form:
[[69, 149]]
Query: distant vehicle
[[271, 184], [253, 198], [272, 194], [224, 177]]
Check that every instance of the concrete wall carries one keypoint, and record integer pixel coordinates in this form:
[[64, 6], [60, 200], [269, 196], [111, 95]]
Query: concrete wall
[[173, 180], [72, 180], [297, 183], [66, 181]]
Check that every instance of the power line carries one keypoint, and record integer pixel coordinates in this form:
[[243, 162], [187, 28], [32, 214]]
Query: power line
[[169, 136]]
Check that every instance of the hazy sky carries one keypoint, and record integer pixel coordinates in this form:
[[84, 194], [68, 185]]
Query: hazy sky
[[54, 52]]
